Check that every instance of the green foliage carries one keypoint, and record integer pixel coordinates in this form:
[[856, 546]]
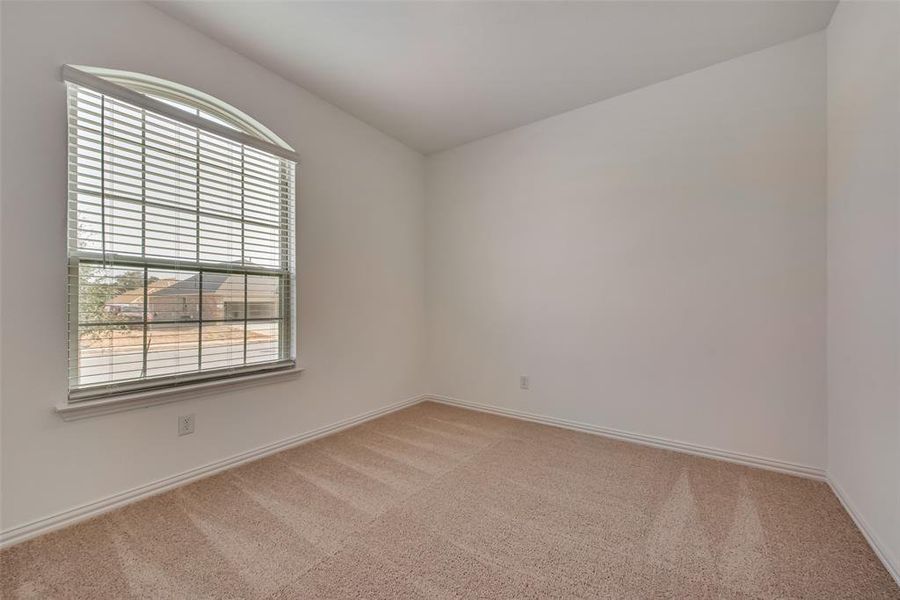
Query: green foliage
[[99, 285]]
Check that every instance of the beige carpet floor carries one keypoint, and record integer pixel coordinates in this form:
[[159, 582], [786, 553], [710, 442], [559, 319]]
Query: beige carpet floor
[[439, 502]]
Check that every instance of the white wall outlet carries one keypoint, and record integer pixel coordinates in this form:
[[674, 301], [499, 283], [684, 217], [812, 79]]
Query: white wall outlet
[[185, 424], [523, 382]]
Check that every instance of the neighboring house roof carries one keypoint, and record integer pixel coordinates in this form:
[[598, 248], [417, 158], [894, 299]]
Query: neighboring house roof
[[136, 296], [226, 286], [190, 286]]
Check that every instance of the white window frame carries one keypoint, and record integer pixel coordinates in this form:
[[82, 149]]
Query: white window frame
[[147, 92]]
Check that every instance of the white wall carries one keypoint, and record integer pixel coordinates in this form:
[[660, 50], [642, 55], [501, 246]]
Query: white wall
[[361, 247], [864, 265], [654, 262]]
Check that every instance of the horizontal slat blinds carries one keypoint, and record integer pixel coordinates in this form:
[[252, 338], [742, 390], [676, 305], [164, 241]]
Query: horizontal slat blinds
[[199, 119], [180, 249]]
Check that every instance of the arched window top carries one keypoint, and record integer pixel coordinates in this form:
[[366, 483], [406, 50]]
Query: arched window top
[[190, 100]]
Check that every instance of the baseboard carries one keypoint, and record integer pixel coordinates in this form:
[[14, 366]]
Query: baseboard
[[647, 440], [92, 509], [890, 562]]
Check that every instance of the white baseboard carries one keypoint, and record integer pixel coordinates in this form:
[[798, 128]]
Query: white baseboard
[[880, 550], [647, 440], [71, 516]]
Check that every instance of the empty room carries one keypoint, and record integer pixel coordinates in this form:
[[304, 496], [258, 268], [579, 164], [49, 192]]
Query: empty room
[[450, 299]]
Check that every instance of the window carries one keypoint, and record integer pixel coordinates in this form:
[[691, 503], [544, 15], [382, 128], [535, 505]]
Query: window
[[181, 238]]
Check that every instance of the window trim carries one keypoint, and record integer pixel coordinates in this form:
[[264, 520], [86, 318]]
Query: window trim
[[142, 393], [145, 398]]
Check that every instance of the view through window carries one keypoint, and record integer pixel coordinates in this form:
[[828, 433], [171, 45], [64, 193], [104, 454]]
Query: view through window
[[180, 249]]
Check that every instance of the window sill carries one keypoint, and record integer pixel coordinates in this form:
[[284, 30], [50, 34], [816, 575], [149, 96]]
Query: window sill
[[148, 398]]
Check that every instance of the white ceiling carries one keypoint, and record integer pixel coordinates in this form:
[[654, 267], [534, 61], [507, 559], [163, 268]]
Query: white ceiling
[[438, 74]]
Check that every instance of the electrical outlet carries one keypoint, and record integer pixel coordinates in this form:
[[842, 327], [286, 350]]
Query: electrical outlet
[[523, 382], [185, 424]]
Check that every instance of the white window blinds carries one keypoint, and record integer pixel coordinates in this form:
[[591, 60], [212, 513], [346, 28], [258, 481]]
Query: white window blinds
[[181, 245]]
